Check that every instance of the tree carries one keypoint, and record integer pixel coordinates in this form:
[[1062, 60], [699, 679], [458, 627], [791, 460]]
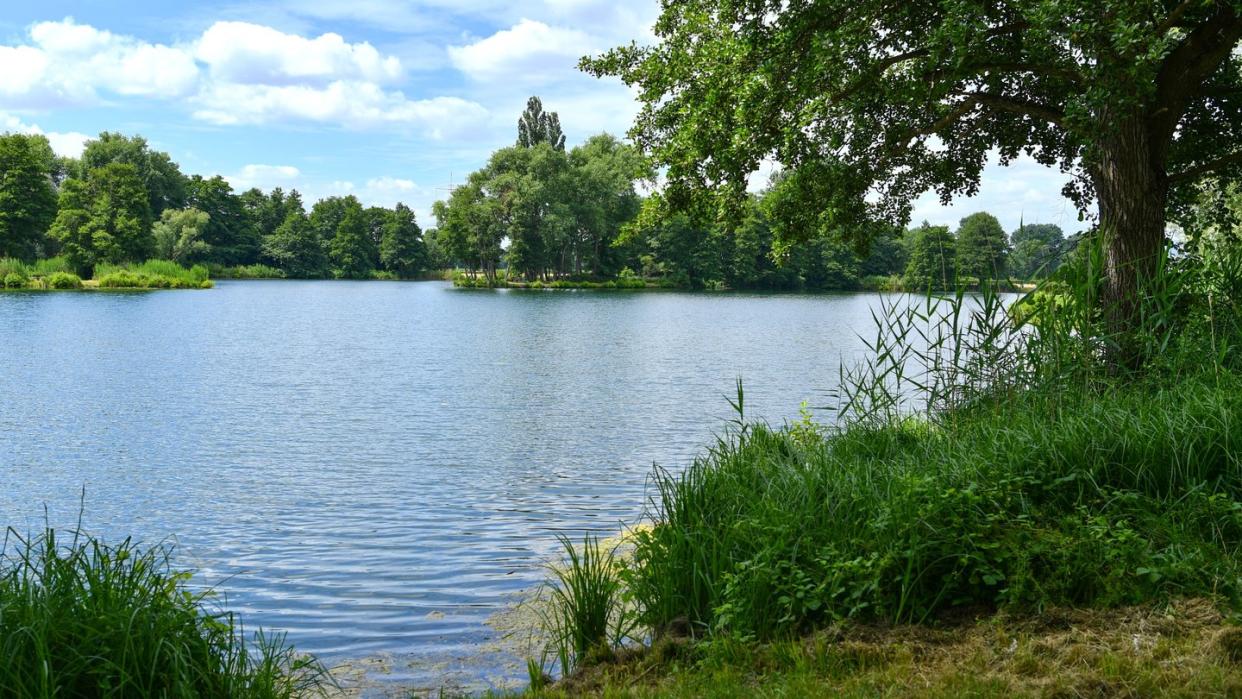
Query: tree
[[179, 235], [27, 197], [1037, 250], [871, 103], [106, 218], [230, 232], [402, 249], [536, 126], [933, 258], [351, 247], [160, 176], [982, 247], [296, 247]]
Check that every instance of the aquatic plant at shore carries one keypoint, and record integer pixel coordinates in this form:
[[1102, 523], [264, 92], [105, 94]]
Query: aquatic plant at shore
[[82, 618]]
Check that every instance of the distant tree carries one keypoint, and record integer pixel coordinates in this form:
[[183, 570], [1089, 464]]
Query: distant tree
[[826, 264], [933, 258], [27, 196], [536, 126], [885, 255], [350, 249], [230, 232], [982, 247], [265, 211], [106, 218], [1037, 249], [160, 176], [402, 249], [179, 235], [601, 196], [296, 247]]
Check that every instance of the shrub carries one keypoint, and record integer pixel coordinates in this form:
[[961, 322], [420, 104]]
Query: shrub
[[63, 280], [15, 280], [81, 618], [51, 265]]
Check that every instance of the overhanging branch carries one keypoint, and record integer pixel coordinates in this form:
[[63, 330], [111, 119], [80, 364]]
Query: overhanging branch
[[1207, 168]]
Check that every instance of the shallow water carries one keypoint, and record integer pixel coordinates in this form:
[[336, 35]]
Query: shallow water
[[377, 467]]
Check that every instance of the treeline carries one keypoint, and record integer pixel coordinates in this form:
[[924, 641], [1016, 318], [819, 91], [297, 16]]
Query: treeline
[[542, 214], [123, 202]]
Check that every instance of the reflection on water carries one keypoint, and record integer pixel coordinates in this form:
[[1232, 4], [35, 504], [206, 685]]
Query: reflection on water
[[376, 467]]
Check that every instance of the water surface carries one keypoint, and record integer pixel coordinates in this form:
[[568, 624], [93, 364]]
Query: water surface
[[377, 467]]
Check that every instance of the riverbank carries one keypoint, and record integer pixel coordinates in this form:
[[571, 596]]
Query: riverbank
[[938, 539], [1185, 648], [465, 280]]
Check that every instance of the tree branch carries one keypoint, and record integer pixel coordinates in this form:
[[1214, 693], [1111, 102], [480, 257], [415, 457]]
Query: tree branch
[[1186, 68], [1019, 106], [1175, 17], [1210, 166]]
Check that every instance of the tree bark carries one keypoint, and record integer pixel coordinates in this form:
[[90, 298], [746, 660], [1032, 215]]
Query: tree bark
[[1132, 191]]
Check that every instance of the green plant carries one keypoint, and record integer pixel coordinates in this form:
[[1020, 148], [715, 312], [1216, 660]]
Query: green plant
[[63, 280], [585, 613], [15, 280], [82, 618]]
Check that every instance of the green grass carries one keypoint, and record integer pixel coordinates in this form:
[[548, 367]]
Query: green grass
[[80, 618], [585, 615], [987, 461], [152, 274]]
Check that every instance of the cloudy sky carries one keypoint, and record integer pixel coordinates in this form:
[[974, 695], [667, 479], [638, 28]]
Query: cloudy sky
[[391, 100]]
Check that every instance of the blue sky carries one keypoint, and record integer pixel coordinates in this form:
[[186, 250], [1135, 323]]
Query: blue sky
[[390, 100]]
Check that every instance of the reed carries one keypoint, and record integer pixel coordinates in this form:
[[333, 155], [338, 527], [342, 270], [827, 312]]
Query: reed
[[79, 617]]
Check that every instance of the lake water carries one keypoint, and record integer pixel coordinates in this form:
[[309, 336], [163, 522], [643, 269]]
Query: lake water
[[377, 467]]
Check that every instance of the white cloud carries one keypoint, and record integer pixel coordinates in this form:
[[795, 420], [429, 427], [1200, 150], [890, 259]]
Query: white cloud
[[76, 61], [241, 52], [235, 73], [69, 144], [263, 176], [351, 104], [391, 184], [529, 52]]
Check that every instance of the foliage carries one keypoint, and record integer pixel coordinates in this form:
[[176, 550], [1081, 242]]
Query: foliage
[[82, 618], [982, 247], [230, 235], [63, 280], [297, 248], [13, 280], [402, 250], [162, 179], [104, 218], [1037, 250], [536, 126], [932, 258], [351, 249], [255, 271], [27, 197], [179, 235], [869, 104]]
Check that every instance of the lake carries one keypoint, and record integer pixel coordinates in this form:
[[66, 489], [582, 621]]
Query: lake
[[378, 467]]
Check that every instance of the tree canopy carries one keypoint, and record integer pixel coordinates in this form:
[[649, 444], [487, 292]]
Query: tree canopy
[[870, 103]]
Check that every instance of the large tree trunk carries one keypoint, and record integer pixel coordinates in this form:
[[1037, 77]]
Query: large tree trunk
[[1132, 190]]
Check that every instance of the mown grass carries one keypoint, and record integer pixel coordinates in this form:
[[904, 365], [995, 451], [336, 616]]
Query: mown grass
[[79, 618]]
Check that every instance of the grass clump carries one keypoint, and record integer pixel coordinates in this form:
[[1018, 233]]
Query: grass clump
[[81, 618], [152, 274], [585, 614]]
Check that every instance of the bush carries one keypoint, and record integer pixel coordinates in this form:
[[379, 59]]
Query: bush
[[63, 280], [85, 619], [15, 280], [51, 265]]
